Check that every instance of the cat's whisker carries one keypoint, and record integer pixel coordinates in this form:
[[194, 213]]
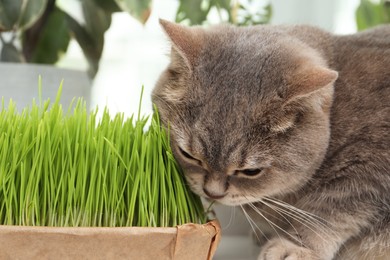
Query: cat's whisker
[[253, 225], [284, 218], [231, 219], [313, 226], [262, 213], [289, 206], [292, 212], [304, 214], [275, 217], [300, 215], [312, 222], [273, 225], [282, 213]]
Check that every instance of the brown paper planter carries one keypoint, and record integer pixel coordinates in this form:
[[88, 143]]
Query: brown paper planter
[[189, 241]]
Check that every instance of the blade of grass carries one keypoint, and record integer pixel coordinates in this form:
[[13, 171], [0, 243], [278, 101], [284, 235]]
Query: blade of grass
[[68, 169]]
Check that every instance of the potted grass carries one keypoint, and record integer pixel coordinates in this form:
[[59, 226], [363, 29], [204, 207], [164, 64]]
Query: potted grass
[[75, 187]]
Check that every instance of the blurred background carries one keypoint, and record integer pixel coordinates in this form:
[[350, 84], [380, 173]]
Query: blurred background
[[120, 45], [106, 50]]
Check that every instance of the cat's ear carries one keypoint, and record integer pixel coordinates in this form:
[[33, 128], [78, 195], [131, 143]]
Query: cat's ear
[[187, 41], [309, 79]]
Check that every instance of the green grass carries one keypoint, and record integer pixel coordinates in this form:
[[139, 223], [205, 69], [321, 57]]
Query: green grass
[[67, 168]]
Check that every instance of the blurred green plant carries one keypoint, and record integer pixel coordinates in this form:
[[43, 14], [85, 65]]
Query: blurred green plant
[[238, 12], [371, 13], [39, 31]]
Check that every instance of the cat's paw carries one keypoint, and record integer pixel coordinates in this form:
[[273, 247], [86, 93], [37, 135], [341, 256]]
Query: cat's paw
[[282, 249]]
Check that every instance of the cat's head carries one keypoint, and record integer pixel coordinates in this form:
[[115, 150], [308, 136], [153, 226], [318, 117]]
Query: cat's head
[[248, 110]]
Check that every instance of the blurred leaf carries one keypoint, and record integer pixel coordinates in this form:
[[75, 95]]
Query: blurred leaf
[[31, 36], [20, 13], [139, 9], [192, 11], [53, 39], [246, 17], [91, 36], [268, 13], [9, 53], [225, 4], [196, 11], [386, 6], [87, 43], [97, 20], [108, 5], [9, 13], [30, 12], [369, 14]]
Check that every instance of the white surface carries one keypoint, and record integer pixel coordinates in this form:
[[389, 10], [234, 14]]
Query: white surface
[[134, 55], [333, 15], [19, 82]]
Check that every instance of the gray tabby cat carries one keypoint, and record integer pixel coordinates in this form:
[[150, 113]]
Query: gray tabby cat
[[291, 123]]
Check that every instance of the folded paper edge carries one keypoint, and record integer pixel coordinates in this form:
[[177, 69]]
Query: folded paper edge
[[216, 239], [209, 232]]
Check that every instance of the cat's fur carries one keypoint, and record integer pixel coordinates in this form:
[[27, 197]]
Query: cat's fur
[[311, 110]]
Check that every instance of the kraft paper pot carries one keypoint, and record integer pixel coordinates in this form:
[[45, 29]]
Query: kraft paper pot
[[189, 241]]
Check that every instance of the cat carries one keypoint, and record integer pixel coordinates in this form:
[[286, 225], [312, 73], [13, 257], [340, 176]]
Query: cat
[[292, 124]]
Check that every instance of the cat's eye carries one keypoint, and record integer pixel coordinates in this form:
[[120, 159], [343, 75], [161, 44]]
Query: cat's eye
[[187, 155], [250, 172]]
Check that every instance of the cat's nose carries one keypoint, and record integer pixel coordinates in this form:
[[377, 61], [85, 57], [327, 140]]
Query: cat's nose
[[212, 195]]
